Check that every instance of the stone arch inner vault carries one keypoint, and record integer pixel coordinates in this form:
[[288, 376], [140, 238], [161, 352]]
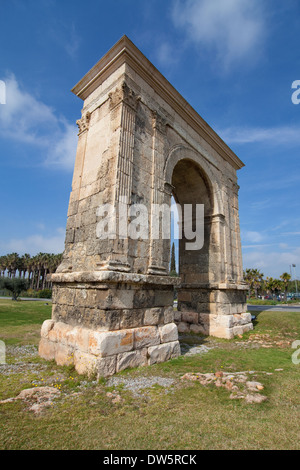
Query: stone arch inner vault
[[139, 143]]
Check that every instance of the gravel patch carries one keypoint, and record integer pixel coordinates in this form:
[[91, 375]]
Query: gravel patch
[[188, 350], [137, 384], [21, 352]]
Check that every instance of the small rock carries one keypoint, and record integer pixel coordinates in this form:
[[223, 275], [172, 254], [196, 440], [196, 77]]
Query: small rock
[[236, 396], [254, 386], [228, 385], [257, 398], [115, 397], [219, 373], [41, 396]]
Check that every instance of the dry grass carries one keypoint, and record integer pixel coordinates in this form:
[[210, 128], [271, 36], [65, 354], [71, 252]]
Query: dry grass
[[185, 415]]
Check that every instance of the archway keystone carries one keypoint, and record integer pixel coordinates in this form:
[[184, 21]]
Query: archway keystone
[[139, 143]]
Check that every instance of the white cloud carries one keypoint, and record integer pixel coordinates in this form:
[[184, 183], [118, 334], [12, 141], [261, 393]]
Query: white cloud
[[272, 135], [63, 152], [252, 236], [26, 119], [36, 243], [274, 263], [231, 29], [165, 54]]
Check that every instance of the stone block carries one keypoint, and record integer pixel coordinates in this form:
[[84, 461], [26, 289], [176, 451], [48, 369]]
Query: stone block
[[144, 298], [146, 336], [85, 363], [198, 329], [163, 298], [130, 318], [168, 332], [184, 296], [189, 317], [177, 316], [163, 352], [63, 355], [111, 342], [183, 327], [47, 349], [106, 366], [58, 332], [246, 317], [46, 327], [153, 316], [169, 315], [78, 338], [131, 359]]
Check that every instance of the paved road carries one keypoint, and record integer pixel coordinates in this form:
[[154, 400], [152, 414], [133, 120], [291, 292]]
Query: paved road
[[274, 308], [28, 298]]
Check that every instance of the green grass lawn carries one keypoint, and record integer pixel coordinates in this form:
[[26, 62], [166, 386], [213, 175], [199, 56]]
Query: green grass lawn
[[185, 415]]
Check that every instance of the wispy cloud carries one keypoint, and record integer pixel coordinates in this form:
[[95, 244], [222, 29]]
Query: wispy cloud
[[36, 243], [233, 29], [252, 236], [165, 54], [273, 263], [28, 120], [273, 135]]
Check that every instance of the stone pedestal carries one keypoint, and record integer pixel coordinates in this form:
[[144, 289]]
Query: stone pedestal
[[104, 322], [214, 309]]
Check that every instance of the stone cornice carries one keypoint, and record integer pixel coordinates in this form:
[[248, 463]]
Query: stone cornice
[[125, 52]]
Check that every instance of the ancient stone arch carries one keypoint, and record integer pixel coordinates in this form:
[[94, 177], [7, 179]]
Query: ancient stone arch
[[139, 143]]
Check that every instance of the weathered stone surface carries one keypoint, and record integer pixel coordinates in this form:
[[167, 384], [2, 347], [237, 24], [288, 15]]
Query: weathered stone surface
[[146, 336], [106, 366], [190, 317], [131, 359], [47, 349], [46, 327], [168, 333], [163, 352], [110, 342], [153, 316], [169, 314], [63, 355]]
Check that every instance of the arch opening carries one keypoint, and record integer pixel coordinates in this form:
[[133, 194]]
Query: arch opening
[[193, 196]]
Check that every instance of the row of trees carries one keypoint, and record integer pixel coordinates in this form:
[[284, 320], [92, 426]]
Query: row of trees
[[259, 285], [32, 268]]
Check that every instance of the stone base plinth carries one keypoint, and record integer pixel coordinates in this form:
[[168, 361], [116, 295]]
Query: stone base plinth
[[214, 309], [221, 326], [104, 322], [106, 352]]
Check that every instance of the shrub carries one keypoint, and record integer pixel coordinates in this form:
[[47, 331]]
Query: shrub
[[44, 294], [14, 285]]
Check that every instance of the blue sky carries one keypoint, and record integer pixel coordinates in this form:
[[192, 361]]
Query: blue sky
[[234, 61]]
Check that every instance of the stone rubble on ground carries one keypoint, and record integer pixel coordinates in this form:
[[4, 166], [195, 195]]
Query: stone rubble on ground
[[236, 382], [37, 397]]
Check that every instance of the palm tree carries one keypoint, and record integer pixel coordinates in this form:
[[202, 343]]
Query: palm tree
[[3, 265], [255, 279], [39, 260], [24, 262], [12, 264], [45, 263], [273, 285], [285, 277]]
